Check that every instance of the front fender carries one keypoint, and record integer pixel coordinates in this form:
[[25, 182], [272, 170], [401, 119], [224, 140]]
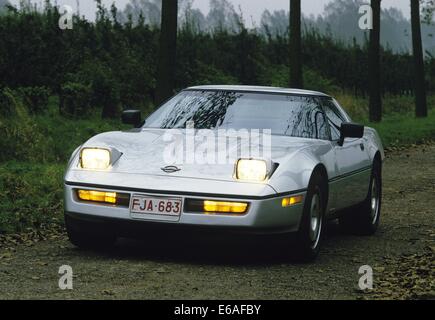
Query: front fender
[[374, 143], [295, 172]]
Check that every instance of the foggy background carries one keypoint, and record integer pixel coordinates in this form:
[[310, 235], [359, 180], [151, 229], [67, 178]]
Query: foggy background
[[250, 8], [337, 19]]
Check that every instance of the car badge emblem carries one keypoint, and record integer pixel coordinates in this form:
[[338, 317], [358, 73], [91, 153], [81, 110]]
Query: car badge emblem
[[171, 169]]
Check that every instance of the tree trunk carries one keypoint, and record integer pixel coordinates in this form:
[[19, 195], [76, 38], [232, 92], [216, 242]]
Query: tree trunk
[[296, 78], [375, 100], [167, 54], [420, 84]]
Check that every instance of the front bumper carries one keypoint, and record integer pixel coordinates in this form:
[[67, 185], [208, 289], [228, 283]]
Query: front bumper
[[264, 216]]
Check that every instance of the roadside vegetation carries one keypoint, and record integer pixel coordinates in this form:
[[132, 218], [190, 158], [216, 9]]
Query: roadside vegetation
[[35, 151], [399, 126], [59, 88]]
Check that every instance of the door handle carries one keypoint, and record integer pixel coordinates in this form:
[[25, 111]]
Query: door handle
[[361, 145]]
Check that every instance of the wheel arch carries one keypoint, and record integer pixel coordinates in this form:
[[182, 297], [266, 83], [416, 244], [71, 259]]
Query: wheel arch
[[321, 170], [377, 158]]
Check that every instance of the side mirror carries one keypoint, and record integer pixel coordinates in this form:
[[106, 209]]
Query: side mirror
[[350, 130], [132, 117]]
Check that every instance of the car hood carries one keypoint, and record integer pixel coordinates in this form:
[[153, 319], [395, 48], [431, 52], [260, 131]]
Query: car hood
[[145, 151]]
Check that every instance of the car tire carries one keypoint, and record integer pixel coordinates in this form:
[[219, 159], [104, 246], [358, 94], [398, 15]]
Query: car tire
[[364, 219], [311, 231], [86, 240]]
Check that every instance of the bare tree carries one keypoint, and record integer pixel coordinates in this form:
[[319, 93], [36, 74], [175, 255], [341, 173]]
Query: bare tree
[[375, 101], [296, 77], [420, 83], [167, 54]]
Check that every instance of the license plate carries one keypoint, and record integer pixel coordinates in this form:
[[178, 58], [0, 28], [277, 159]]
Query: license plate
[[144, 205]]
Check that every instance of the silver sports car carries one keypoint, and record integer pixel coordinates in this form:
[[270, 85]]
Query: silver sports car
[[228, 158]]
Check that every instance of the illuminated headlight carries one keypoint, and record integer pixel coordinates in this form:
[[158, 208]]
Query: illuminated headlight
[[251, 170], [97, 159]]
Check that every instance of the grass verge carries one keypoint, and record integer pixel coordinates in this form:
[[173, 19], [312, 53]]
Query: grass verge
[[401, 130], [31, 196]]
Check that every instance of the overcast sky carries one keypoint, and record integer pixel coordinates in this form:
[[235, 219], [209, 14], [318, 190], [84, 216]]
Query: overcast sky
[[252, 9]]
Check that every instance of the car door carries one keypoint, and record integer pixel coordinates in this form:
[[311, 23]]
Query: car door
[[350, 184]]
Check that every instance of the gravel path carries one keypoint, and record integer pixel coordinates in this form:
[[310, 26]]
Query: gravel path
[[401, 254]]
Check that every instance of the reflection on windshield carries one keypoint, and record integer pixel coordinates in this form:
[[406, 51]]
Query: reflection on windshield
[[297, 116], [206, 110]]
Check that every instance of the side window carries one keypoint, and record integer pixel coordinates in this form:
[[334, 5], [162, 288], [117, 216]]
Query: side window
[[308, 121], [334, 118]]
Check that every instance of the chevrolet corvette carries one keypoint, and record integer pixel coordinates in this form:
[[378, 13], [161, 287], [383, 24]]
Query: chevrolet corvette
[[241, 159]]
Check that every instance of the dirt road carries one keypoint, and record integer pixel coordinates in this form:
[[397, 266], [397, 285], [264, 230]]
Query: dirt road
[[401, 254]]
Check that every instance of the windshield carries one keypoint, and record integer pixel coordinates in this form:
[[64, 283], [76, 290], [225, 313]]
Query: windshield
[[297, 116]]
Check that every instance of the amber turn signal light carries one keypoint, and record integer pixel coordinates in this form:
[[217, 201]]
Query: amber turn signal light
[[291, 201]]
